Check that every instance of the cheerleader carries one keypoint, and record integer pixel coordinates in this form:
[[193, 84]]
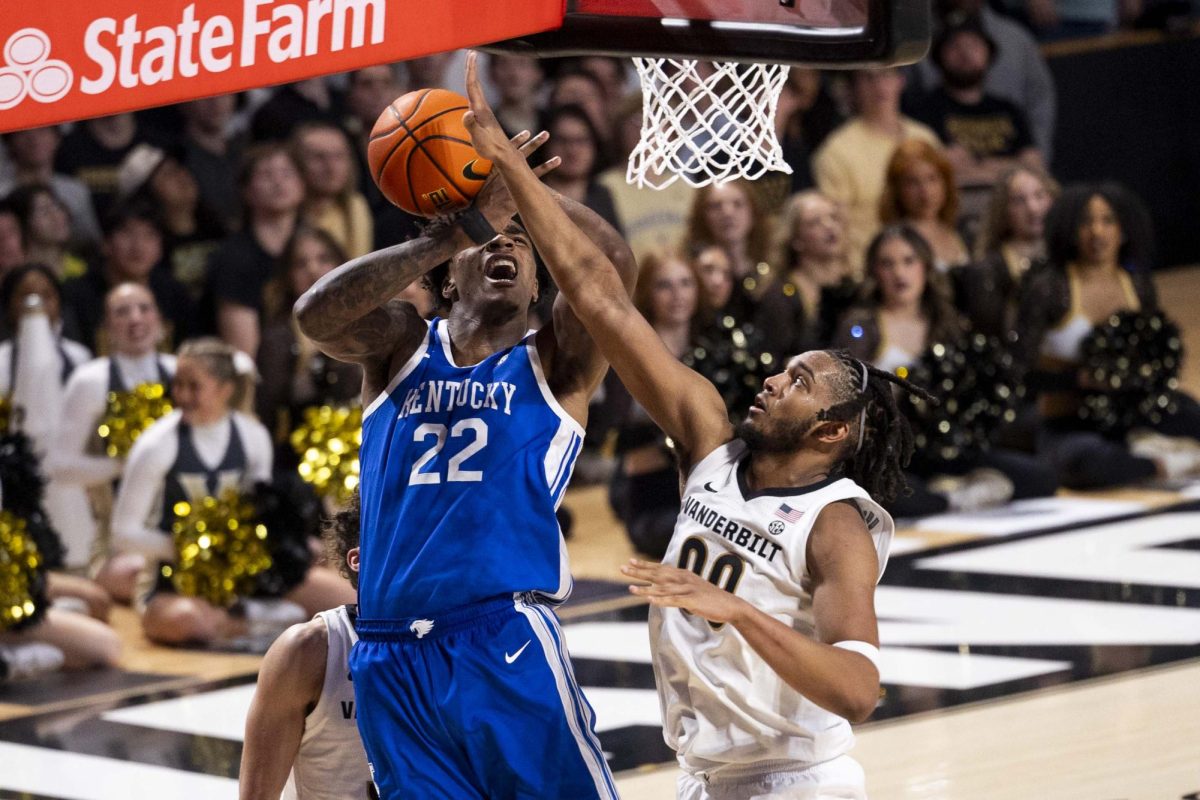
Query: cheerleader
[[800, 309], [906, 310], [1098, 241], [204, 448], [731, 216], [1011, 245], [134, 330]]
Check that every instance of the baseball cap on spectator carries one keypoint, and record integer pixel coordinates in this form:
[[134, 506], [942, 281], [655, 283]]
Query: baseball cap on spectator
[[136, 170]]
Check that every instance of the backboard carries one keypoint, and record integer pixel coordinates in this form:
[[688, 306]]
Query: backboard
[[818, 33]]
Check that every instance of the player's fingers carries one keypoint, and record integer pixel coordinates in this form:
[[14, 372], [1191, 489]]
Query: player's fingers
[[534, 143], [520, 140], [548, 166]]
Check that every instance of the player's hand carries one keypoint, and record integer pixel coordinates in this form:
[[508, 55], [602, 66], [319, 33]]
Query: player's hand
[[673, 587], [493, 200]]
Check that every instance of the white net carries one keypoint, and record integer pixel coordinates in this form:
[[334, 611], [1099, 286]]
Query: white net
[[706, 122]]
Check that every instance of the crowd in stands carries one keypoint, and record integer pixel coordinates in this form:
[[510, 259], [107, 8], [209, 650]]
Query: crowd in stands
[[168, 246]]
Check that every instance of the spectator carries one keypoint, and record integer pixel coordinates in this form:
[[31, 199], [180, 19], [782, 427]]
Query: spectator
[[906, 310], [574, 139], [93, 153], [191, 232], [368, 92], [130, 253], [434, 72], [851, 166], [730, 216], [295, 374], [804, 119], [46, 230], [574, 86], [1018, 72], [18, 286], [210, 154], [12, 239], [613, 74], [272, 192], [1098, 240], [985, 135], [32, 153], [800, 308], [332, 201], [518, 81], [312, 100], [652, 220], [1011, 245], [919, 190]]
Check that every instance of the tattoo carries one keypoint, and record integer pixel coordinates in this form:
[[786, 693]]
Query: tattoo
[[352, 293]]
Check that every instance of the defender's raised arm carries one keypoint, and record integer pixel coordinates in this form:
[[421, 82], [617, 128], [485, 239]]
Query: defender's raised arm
[[685, 405]]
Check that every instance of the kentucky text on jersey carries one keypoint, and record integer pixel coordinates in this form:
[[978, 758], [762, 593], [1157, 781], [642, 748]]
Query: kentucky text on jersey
[[437, 396], [730, 530]]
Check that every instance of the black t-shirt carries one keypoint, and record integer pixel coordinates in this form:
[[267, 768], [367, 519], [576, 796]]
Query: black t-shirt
[[82, 157], [239, 269], [83, 303], [993, 127]]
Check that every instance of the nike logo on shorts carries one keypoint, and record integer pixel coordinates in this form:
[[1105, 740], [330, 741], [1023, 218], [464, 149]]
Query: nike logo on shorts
[[510, 659]]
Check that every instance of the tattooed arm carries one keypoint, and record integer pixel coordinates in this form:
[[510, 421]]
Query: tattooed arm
[[350, 313]]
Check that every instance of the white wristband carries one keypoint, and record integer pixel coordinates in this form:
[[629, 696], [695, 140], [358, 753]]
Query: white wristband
[[862, 648]]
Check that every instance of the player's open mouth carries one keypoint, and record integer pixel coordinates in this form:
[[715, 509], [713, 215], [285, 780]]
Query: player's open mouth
[[501, 269], [758, 406]]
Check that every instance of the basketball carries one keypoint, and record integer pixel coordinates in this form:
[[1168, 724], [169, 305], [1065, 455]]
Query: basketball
[[421, 155]]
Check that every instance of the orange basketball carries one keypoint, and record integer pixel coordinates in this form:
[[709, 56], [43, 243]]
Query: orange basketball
[[421, 155]]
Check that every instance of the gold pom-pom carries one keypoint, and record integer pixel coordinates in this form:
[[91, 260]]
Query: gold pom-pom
[[20, 563], [327, 443], [220, 549], [129, 414]]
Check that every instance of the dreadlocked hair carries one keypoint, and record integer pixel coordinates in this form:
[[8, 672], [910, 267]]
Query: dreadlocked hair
[[886, 439]]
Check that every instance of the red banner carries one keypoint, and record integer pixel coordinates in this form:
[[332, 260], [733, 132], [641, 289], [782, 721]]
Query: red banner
[[69, 59]]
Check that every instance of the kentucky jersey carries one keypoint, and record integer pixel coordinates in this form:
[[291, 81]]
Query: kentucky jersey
[[462, 470], [722, 703]]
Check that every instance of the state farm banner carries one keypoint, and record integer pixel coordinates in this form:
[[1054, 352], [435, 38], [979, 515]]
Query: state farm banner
[[72, 59]]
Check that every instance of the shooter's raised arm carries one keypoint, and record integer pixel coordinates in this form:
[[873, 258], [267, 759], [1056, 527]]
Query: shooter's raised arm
[[685, 405]]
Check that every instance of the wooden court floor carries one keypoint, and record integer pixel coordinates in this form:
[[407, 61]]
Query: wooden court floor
[[1100, 730]]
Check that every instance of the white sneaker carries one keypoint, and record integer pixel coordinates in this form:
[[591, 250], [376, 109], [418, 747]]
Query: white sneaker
[[1176, 456], [275, 615], [978, 489], [23, 660]]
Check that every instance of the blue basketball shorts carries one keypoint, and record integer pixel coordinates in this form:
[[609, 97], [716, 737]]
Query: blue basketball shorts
[[479, 702]]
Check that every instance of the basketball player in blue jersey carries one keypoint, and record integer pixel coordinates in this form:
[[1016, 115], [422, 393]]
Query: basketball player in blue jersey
[[471, 426], [762, 623]]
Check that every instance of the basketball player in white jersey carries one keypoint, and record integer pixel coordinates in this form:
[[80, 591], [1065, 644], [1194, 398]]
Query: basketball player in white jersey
[[762, 621], [302, 731]]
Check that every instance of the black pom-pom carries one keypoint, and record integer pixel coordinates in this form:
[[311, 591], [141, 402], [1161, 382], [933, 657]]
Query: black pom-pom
[[1132, 362], [976, 379], [291, 513], [731, 355], [23, 490]]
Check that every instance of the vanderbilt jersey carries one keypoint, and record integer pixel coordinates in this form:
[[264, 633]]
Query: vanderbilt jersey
[[331, 763], [722, 704]]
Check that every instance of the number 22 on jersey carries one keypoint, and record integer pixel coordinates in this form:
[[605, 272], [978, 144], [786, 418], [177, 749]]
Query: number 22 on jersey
[[423, 472]]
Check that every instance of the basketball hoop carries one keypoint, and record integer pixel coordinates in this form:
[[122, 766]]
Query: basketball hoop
[[706, 122]]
